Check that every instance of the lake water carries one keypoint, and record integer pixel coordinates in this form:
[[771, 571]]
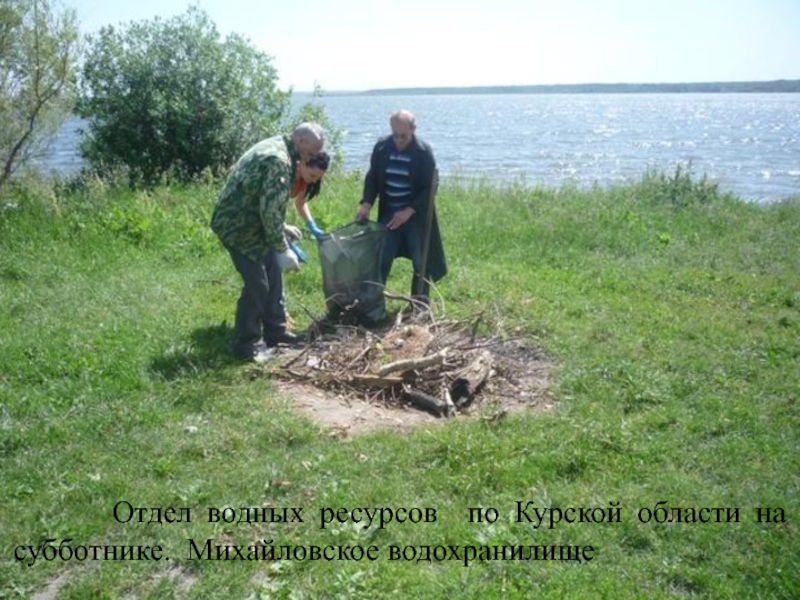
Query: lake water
[[748, 143]]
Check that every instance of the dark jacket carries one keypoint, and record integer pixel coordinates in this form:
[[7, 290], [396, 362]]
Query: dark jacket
[[422, 170]]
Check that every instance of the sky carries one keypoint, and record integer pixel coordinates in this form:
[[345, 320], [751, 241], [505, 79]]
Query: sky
[[356, 45]]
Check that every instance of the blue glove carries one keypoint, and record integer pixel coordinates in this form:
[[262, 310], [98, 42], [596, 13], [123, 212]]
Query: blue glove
[[301, 256], [314, 230]]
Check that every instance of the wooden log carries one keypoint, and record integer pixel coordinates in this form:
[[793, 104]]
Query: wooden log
[[470, 379], [425, 402], [409, 364]]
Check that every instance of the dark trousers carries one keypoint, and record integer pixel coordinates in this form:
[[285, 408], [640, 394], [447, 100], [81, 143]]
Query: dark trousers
[[412, 237], [260, 310]]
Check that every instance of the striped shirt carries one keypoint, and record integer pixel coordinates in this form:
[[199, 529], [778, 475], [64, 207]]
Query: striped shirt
[[398, 180]]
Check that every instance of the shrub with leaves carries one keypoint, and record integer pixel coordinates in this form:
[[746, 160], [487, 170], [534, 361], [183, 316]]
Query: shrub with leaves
[[681, 189], [174, 98]]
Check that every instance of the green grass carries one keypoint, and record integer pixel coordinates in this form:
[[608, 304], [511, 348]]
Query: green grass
[[672, 313]]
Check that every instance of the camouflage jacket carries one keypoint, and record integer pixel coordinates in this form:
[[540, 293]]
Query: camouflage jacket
[[251, 208]]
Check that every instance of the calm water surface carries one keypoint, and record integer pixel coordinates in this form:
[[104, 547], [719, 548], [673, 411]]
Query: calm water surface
[[748, 143]]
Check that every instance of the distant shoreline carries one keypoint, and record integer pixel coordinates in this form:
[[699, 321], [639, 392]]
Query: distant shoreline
[[721, 87]]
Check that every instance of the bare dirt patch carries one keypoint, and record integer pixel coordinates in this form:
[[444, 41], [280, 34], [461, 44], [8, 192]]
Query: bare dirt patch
[[351, 380], [53, 588]]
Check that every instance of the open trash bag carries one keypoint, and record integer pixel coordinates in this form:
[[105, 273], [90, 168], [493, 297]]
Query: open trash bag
[[351, 273]]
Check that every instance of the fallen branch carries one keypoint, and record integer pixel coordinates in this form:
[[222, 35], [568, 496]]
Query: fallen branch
[[409, 364], [360, 356], [395, 296], [488, 344], [374, 380]]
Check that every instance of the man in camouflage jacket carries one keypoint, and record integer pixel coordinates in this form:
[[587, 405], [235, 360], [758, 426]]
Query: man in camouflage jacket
[[249, 220]]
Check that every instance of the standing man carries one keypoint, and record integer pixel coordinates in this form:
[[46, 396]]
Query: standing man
[[249, 219], [401, 173]]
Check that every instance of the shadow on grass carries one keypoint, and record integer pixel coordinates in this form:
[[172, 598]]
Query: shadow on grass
[[207, 348]]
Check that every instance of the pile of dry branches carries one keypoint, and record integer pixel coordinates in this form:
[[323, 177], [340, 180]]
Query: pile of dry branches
[[435, 366]]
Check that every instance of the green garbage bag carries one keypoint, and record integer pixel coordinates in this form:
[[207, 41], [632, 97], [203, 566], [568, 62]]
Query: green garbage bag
[[351, 273]]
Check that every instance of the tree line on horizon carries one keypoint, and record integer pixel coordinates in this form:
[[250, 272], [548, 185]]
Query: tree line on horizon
[[719, 87]]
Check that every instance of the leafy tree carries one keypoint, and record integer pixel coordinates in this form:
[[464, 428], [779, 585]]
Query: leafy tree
[[173, 97], [39, 47]]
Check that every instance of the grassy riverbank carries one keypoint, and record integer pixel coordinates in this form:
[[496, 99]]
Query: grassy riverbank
[[672, 314]]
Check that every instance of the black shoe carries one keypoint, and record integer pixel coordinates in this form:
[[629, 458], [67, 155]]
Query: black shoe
[[287, 338]]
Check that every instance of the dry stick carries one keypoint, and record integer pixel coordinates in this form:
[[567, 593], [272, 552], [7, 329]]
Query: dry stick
[[358, 357], [372, 398], [412, 302], [426, 242], [492, 342], [298, 375], [375, 380], [314, 321], [449, 325], [409, 364], [432, 375], [395, 296], [296, 357]]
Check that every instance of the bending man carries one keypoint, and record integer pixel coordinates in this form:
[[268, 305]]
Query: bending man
[[249, 219]]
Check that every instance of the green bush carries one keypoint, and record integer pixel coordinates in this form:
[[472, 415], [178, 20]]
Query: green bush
[[680, 189], [172, 98]]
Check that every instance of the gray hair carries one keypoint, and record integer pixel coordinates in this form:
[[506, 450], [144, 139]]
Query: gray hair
[[404, 116], [309, 136]]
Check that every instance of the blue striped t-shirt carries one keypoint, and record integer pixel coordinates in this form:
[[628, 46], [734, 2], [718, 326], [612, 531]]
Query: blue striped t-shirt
[[398, 180]]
